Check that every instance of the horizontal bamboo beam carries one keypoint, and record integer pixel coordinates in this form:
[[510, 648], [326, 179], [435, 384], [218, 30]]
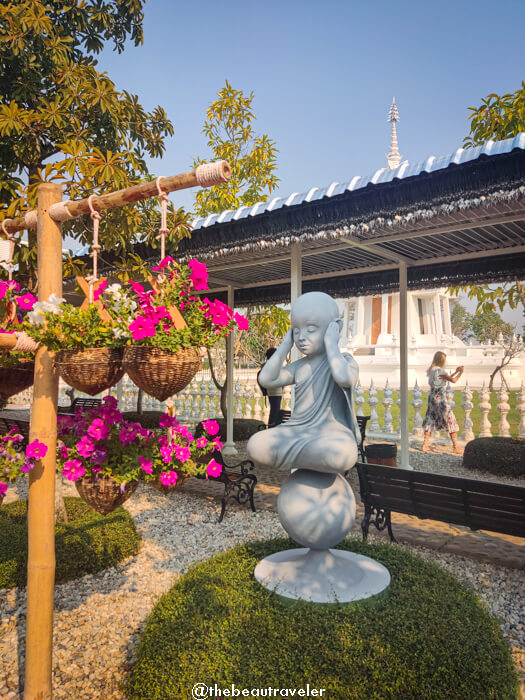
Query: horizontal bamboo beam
[[7, 341], [205, 175]]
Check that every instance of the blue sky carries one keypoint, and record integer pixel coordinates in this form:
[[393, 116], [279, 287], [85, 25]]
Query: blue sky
[[324, 74]]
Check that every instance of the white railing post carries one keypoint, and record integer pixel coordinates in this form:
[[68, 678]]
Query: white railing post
[[467, 406], [484, 406], [373, 401], [504, 408], [387, 403], [520, 407], [359, 399]]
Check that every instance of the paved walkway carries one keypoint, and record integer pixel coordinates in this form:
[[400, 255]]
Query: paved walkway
[[500, 550]]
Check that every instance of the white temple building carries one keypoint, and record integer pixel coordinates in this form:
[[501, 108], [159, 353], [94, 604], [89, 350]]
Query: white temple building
[[371, 334]]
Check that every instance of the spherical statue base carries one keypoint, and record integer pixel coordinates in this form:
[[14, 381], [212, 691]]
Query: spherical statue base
[[317, 510], [322, 576]]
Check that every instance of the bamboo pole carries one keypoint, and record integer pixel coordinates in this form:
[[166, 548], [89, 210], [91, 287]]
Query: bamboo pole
[[205, 175], [7, 341], [41, 513]]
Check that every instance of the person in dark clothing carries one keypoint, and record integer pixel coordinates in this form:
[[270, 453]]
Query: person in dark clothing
[[274, 395]]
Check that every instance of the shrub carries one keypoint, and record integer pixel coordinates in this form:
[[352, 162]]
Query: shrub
[[88, 543], [243, 428], [497, 455], [148, 419], [427, 636]]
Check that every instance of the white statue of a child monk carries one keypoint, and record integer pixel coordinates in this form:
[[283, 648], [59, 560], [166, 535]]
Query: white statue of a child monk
[[322, 433]]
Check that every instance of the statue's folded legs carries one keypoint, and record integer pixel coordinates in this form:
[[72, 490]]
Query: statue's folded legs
[[319, 445]]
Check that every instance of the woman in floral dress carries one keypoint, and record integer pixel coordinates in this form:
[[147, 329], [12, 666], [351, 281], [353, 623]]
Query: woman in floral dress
[[439, 415]]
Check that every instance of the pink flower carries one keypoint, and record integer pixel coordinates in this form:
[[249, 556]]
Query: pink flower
[[97, 293], [211, 426], [157, 313], [63, 453], [3, 487], [136, 287], [217, 444], [110, 402], [214, 468], [146, 465], [199, 274], [142, 327], [3, 289], [201, 442], [99, 455], [26, 302], [167, 421], [13, 284], [242, 322], [27, 466], [182, 453], [98, 430], [183, 431], [85, 447], [111, 416], [73, 470], [166, 453], [129, 432], [36, 450], [221, 314], [163, 263], [168, 478]]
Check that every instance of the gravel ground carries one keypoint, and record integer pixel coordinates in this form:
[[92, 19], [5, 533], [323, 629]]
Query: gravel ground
[[99, 618]]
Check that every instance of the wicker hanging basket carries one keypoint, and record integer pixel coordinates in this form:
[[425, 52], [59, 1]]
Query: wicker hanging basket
[[91, 370], [103, 493], [157, 484], [13, 380], [159, 373]]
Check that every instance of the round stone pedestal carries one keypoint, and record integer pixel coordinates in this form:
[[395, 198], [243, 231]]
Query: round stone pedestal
[[317, 510]]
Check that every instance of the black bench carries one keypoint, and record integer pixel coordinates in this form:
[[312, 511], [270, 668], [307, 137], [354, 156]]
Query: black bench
[[480, 505], [80, 402], [238, 481]]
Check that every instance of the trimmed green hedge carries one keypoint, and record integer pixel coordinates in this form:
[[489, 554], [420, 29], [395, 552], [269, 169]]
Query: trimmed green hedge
[[148, 419], [427, 636], [497, 455], [88, 543]]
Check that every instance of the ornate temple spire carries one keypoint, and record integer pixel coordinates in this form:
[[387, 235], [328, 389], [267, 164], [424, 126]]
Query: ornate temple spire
[[394, 156]]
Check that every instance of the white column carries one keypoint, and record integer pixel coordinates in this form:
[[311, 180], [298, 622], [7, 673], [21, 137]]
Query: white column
[[403, 361], [229, 446], [384, 313], [346, 314], [437, 317], [360, 325], [446, 312]]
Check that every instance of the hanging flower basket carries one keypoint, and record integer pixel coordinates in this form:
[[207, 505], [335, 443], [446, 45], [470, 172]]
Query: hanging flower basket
[[181, 479], [103, 493], [158, 372], [15, 379], [90, 370]]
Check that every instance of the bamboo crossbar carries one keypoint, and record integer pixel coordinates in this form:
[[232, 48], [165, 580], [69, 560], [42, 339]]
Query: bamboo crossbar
[[205, 175]]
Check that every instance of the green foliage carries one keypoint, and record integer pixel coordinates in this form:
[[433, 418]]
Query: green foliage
[[461, 323], [268, 326], [488, 325], [62, 120], [229, 128], [510, 294], [74, 328], [426, 637], [498, 117], [497, 455], [88, 543]]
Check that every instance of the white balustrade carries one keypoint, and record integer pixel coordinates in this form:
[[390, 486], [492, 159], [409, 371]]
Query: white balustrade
[[504, 408], [467, 406], [359, 399], [520, 407], [373, 401], [484, 406], [387, 402], [238, 400]]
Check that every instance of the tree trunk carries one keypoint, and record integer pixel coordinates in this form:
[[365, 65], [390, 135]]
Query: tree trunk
[[223, 388], [140, 395]]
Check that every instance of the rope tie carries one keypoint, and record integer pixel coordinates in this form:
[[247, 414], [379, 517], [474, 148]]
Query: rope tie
[[95, 217], [163, 230], [24, 343], [208, 174], [11, 241]]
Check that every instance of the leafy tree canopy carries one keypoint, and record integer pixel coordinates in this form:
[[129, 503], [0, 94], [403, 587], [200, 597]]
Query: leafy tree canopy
[[63, 120], [498, 117], [229, 128]]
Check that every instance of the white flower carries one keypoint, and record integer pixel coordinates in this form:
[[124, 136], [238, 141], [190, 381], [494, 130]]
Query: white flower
[[120, 333], [54, 300], [35, 317]]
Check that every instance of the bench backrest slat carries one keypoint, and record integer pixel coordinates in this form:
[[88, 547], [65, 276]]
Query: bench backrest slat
[[480, 505]]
